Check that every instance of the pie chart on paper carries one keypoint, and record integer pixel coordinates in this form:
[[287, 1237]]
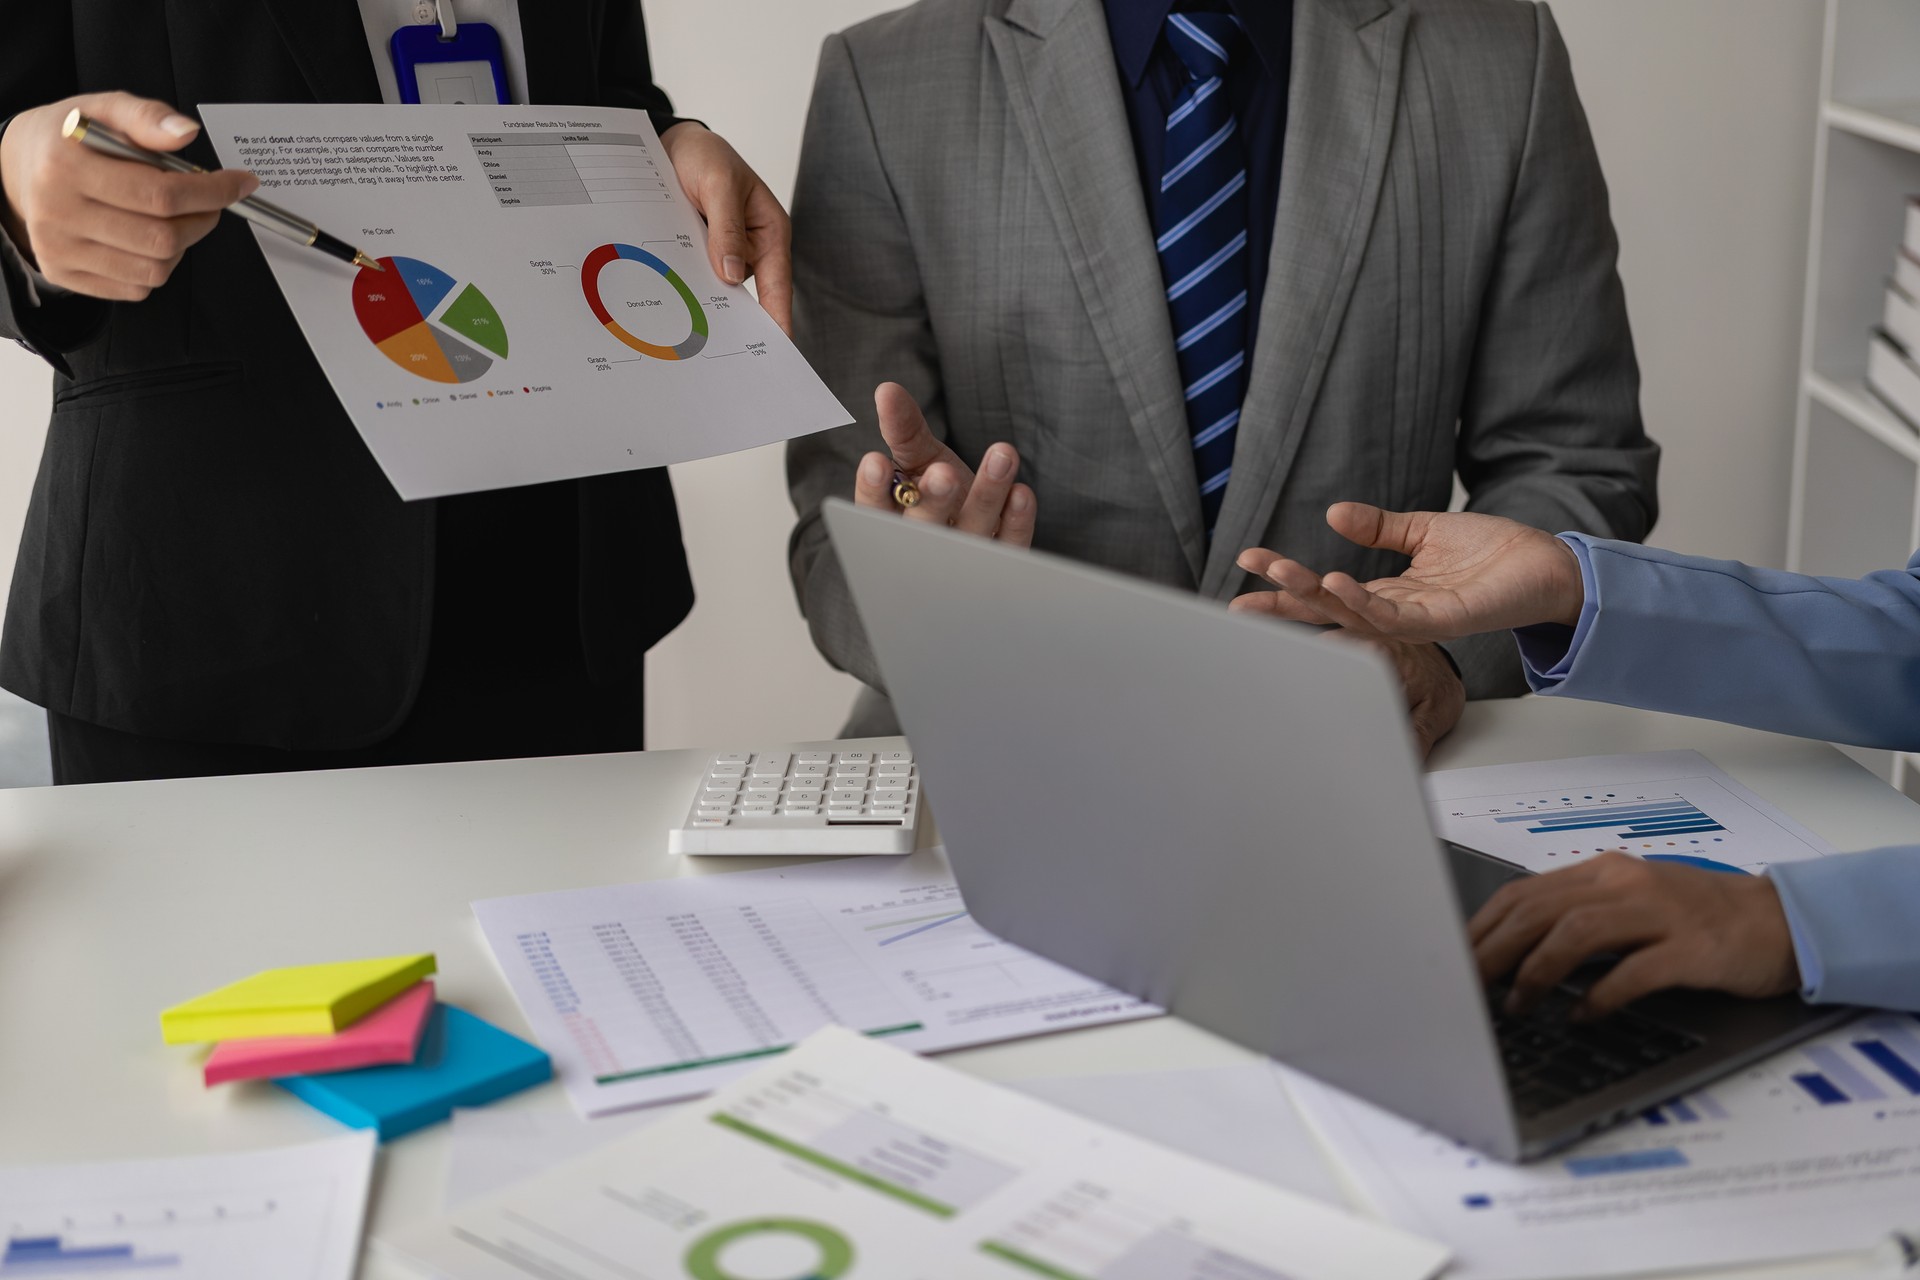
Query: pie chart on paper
[[428, 322]]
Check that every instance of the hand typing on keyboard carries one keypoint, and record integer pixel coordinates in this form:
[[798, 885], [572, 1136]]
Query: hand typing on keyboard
[[1672, 926]]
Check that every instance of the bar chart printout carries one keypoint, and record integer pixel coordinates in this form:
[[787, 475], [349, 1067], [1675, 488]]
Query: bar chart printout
[[1672, 806], [848, 1158], [649, 992], [292, 1212], [1812, 1151]]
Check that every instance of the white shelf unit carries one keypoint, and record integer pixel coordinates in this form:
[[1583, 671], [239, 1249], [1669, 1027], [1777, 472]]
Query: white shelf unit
[[1856, 467]]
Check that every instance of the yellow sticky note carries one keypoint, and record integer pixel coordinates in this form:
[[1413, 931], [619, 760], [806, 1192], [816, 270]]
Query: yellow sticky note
[[307, 1000]]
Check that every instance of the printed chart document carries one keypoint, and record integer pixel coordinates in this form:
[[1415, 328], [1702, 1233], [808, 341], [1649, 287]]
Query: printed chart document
[[1239, 1118], [1815, 1151], [848, 1160], [289, 1212], [547, 310], [649, 992], [1664, 806]]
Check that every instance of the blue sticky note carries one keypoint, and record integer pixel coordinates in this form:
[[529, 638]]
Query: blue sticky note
[[463, 1062]]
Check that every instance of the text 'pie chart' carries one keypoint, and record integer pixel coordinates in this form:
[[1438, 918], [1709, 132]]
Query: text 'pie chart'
[[641, 302], [396, 309]]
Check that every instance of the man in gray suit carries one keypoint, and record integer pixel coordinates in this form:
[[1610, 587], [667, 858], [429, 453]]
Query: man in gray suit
[[1209, 267]]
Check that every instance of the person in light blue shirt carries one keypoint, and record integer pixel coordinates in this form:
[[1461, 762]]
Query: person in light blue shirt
[[1612, 622]]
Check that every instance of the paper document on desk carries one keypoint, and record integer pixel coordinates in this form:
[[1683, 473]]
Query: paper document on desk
[[293, 1213], [649, 992], [848, 1159], [547, 311], [1665, 806], [1814, 1151]]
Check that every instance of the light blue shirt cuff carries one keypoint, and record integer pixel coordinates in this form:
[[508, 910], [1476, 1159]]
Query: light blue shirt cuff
[[1855, 921], [1548, 651]]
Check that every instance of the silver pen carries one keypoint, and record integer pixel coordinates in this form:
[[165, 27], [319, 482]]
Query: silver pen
[[92, 133]]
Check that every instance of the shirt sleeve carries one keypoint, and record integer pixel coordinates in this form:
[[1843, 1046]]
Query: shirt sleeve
[[1830, 658], [1855, 920], [1548, 651]]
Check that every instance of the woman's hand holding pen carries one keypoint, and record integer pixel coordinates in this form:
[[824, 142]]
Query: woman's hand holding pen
[[97, 225], [988, 503]]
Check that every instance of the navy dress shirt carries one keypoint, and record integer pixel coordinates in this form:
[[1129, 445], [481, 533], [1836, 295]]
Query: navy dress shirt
[[1151, 77]]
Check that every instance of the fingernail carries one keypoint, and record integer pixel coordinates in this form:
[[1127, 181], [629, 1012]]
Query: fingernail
[[1019, 502], [178, 125], [873, 472], [999, 463], [734, 267], [938, 484]]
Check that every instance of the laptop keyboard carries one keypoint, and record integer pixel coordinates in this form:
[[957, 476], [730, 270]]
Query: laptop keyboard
[[1551, 1061]]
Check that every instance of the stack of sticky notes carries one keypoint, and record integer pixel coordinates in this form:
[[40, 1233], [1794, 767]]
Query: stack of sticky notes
[[362, 1040]]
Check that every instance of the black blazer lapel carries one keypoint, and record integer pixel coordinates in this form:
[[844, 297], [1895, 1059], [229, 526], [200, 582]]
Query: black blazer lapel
[[559, 53], [329, 43]]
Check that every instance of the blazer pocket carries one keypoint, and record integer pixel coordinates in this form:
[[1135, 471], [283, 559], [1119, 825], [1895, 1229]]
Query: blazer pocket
[[115, 388]]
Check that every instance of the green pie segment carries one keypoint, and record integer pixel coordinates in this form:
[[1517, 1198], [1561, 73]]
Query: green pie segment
[[473, 317]]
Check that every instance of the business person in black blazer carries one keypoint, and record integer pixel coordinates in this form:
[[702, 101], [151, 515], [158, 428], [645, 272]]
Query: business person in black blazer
[[214, 576]]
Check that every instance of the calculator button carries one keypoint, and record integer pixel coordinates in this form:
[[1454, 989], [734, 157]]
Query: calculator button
[[852, 770], [814, 757], [849, 786], [727, 771], [755, 785], [736, 757], [814, 773], [886, 770], [895, 757], [888, 811], [854, 757], [805, 797], [890, 797], [801, 811], [770, 766], [708, 822]]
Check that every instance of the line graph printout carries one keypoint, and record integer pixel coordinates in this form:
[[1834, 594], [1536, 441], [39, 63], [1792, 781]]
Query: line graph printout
[[1814, 1151], [1666, 806], [291, 1212], [847, 1160], [649, 992], [548, 310]]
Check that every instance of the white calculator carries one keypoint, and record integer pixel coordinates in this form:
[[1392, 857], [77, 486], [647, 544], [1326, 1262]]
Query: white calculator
[[807, 802]]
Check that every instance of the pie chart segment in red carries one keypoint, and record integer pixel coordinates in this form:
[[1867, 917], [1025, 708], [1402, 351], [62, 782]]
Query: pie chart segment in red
[[394, 307]]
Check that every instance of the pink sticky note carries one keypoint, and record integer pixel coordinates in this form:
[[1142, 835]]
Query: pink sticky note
[[389, 1034]]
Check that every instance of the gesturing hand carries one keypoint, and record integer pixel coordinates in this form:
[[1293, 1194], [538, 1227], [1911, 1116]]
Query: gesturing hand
[[748, 233], [989, 504], [1677, 926], [1470, 574], [100, 226]]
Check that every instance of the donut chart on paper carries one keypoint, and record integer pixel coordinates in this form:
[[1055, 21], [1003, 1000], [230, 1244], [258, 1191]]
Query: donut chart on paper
[[394, 309], [590, 270]]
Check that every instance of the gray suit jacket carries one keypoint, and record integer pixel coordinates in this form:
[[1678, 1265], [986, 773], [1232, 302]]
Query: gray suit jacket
[[1442, 297]]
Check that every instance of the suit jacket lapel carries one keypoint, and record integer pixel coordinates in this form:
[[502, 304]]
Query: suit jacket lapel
[[1064, 91], [330, 49], [559, 57], [1344, 91]]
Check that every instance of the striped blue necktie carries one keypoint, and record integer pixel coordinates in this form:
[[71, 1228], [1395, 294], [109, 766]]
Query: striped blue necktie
[[1201, 224]]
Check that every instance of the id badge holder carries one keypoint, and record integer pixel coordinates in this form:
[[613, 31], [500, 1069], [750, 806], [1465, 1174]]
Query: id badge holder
[[468, 66]]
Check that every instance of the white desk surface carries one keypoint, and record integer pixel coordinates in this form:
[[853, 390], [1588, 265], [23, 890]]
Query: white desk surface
[[118, 900]]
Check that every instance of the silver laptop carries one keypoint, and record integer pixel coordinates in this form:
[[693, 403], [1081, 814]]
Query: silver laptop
[[1223, 815]]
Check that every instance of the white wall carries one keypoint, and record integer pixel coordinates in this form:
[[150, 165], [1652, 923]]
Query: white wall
[[1703, 111]]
